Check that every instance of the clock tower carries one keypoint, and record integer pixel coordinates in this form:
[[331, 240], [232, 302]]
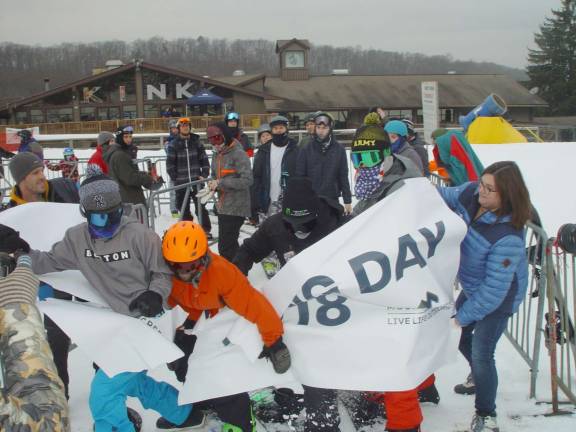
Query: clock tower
[[293, 55]]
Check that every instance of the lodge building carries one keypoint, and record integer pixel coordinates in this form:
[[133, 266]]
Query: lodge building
[[141, 90]]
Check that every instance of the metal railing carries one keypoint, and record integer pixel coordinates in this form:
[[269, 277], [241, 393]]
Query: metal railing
[[154, 198], [524, 330], [560, 331]]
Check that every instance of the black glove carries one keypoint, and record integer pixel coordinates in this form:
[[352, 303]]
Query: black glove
[[148, 304], [278, 354], [186, 343], [10, 240], [157, 184]]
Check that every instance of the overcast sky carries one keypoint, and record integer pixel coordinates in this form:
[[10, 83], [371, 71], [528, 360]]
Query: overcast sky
[[500, 31]]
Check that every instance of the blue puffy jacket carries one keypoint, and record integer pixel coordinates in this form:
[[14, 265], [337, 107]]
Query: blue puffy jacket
[[493, 265]]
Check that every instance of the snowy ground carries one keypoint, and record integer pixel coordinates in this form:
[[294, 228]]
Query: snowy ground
[[548, 172]]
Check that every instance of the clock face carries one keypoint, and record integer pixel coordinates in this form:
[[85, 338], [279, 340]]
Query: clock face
[[294, 59]]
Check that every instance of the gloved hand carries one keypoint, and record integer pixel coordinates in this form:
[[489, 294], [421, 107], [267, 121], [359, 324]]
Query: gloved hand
[[148, 304], [278, 354], [20, 286], [186, 343], [10, 240], [157, 184]]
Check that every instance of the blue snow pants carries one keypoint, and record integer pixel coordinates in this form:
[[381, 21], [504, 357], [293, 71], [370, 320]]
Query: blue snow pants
[[108, 400]]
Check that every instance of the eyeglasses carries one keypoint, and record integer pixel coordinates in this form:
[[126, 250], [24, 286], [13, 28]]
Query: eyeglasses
[[487, 188], [367, 159], [102, 219]]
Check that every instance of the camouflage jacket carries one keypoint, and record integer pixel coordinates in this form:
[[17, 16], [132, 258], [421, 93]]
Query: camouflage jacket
[[32, 396]]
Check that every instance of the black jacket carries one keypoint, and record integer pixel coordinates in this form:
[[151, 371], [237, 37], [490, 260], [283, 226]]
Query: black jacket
[[261, 172], [130, 179], [274, 236], [186, 159], [328, 170]]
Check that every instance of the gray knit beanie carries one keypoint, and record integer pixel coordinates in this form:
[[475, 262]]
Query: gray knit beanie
[[99, 193], [23, 164], [105, 137]]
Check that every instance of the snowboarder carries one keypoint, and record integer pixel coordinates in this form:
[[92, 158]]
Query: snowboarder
[[203, 281], [231, 179], [325, 162], [186, 161]]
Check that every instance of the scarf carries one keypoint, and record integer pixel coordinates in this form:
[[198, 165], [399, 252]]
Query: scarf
[[367, 182]]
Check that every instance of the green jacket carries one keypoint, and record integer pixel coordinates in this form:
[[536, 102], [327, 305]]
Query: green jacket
[[121, 167]]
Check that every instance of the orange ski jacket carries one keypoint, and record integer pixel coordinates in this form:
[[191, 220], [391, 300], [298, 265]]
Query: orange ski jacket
[[222, 284]]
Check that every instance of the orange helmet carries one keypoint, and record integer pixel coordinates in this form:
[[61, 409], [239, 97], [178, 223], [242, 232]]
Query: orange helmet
[[184, 241], [183, 120]]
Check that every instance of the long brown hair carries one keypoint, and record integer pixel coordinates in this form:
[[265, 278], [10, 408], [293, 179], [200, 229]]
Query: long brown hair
[[514, 195]]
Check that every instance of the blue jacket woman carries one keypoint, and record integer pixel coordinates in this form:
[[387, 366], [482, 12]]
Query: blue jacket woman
[[493, 274]]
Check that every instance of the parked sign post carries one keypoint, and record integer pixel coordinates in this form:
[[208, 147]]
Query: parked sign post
[[430, 108]]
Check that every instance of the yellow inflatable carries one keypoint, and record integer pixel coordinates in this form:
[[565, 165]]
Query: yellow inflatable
[[493, 130]]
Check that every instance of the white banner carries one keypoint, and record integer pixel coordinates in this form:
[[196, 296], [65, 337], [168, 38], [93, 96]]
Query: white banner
[[366, 308], [117, 343]]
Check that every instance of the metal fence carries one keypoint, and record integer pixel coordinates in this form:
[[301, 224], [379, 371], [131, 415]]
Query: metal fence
[[559, 330], [524, 329]]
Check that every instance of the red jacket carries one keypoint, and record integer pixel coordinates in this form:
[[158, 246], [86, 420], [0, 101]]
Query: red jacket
[[97, 159], [222, 284]]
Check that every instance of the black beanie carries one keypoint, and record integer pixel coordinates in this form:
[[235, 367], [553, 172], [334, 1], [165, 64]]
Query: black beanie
[[371, 137], [300, 202]]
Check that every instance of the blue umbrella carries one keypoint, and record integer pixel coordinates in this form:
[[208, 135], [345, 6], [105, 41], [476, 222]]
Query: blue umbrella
[[204, 97]]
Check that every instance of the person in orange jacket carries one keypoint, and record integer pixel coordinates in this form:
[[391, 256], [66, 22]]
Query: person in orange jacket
[[204, 281]]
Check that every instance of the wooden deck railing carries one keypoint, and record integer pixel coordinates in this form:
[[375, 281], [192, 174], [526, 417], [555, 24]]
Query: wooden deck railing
[[247, 121]]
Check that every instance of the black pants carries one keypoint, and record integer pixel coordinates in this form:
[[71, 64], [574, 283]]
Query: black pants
[[180, 194], [59, 343], [228, 233], [321, 410], [234, 410]]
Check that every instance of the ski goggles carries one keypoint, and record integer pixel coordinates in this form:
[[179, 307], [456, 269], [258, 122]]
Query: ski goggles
[[104, 219], [366, 159], [232, 116], [183, 121], [127, 130], [216, 139], [322, 119], [187, 267]]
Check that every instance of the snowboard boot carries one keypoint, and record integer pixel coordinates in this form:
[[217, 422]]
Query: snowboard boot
[[484, 424], [466, 388], [195, 420], [134, 418], [429, 394]]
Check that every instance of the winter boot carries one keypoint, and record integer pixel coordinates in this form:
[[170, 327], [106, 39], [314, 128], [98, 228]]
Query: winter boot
[[134, 418], [466, 388], [195, 420], [429, 394], [484, 424]]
